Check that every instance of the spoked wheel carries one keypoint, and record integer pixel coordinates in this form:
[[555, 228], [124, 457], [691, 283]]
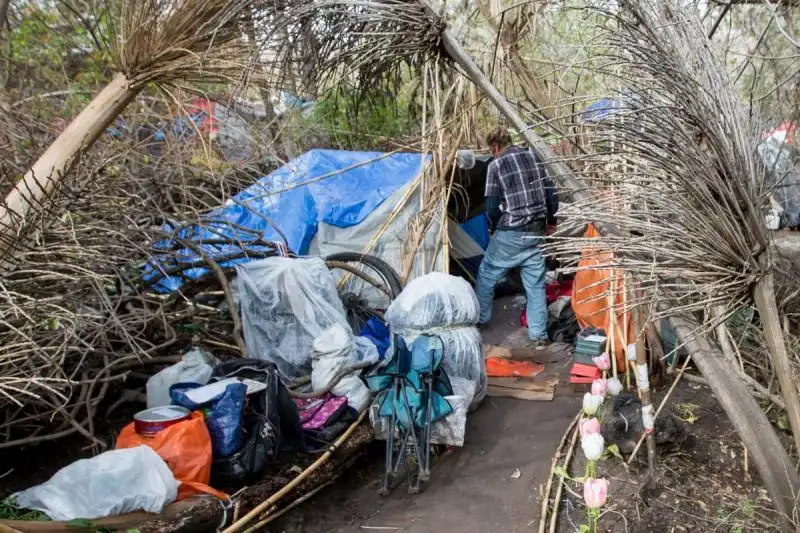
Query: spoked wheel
[[367, 285]]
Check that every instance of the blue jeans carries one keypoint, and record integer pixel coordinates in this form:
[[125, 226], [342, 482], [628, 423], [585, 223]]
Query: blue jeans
[[507, 250]]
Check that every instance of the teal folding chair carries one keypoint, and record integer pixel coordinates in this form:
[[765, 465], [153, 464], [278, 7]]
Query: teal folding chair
[[411, 393]]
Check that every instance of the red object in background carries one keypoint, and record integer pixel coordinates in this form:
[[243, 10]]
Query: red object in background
[[210, 123], [581, 373], [552, 292]]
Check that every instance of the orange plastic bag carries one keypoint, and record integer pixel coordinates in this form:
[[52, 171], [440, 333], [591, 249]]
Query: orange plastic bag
[[185, 447], [589, 300]]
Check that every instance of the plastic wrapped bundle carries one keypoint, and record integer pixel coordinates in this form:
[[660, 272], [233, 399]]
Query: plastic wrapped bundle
[[445, 306], [432, 301], [463, 358], [285, 304]]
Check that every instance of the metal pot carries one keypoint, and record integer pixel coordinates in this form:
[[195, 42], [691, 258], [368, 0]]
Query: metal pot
[[150, 421]]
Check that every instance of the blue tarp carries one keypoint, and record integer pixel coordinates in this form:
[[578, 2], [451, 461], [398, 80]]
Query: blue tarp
[[310, 189], [599, 109], [477, 227]]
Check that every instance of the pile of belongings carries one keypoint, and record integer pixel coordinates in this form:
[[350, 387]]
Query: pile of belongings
[[211, 425], [562, 323]]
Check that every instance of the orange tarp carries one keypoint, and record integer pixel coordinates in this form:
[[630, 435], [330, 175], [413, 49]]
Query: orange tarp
[[590, 299]]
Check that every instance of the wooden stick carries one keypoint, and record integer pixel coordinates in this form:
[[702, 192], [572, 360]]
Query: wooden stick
[[307, 496], [661, 405], [764, 296], [625, 329], [548, 488], [643, 386], [269, 502], [557, 500], [612, 322]]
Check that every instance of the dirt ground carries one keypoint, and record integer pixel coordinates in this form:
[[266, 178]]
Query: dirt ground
[[705, 484]]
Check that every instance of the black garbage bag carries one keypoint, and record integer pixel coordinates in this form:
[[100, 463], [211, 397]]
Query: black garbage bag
[[270, 423], [565, 327]]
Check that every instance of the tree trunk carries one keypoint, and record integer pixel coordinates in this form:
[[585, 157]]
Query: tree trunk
[[41, 180], [764, 295], [758, 435]]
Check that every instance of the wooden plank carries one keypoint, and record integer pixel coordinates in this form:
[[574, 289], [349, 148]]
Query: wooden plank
[[516, 354], [524, 384], [529, 395]]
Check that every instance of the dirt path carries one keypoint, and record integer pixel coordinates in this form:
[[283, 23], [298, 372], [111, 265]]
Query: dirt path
[[474, 489]]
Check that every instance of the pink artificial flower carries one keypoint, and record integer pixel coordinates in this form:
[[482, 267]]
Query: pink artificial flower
[[603, 362], [595, 492], [599, 387], [589, 426]]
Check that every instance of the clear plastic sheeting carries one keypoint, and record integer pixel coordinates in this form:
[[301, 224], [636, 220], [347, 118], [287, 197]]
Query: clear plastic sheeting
[[285, 304], [463, 358], [434, 300], [335, 350], [112, 483]]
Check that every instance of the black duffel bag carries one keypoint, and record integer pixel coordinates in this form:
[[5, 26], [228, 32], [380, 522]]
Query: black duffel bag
[[270, 423]]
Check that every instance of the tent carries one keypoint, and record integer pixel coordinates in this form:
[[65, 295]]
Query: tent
[[323, 202]]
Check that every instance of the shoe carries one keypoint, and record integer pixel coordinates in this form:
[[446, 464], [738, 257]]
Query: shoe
[[541, 344]]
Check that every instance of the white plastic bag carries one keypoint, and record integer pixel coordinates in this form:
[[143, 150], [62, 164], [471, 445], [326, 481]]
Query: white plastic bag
[[112, 483], [334, 350], [285, 303], [196, 366], [432, 301]]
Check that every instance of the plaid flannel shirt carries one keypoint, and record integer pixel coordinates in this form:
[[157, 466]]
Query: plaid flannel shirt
[[525, 192]]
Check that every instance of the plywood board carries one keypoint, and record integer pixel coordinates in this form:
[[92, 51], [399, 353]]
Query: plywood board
[[545, 384], [529, 395]]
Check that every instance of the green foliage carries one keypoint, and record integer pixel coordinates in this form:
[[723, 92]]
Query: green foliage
[[360, 121], [613, 450], [48, 51], [10, 511]]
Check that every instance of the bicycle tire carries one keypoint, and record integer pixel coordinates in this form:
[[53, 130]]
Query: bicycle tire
[[389, 274]]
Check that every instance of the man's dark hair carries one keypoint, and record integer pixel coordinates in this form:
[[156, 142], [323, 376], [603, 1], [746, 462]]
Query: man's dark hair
[[499, 136]]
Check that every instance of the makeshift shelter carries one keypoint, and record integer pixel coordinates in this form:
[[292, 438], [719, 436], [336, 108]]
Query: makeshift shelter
[[323, 202]]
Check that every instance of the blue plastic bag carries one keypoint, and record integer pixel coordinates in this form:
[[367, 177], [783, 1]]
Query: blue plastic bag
[[375, 330], [223, 415]]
